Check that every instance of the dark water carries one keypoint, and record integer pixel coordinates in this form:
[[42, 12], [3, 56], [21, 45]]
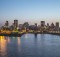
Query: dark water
[[30, 45]]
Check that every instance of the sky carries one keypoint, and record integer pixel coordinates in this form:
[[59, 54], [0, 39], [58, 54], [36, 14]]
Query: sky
[[32, 11]]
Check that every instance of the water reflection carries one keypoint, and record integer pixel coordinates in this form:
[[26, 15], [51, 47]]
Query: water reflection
[[3, 46], [18, 40], [35, 35], [30, 45], [19, 44], [9, 44]]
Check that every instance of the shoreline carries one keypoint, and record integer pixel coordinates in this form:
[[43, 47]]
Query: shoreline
[[16, 34]]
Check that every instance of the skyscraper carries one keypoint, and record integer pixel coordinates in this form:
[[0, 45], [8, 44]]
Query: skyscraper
[[57, 24], [26, 24], [7, 23], [47, 24], [52, 25], [35, 27], [42, 23], [15, 24], [36, 24]]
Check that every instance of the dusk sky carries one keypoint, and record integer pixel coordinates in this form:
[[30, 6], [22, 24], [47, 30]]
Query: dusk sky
[[29, 10]]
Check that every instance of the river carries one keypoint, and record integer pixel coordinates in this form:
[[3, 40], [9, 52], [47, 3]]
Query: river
[[30, 45]]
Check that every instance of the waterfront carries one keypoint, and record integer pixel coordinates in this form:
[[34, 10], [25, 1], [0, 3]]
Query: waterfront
[[30, 45]]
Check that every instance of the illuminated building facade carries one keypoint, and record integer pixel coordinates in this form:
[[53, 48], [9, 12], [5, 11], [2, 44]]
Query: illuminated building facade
[[15, 24]]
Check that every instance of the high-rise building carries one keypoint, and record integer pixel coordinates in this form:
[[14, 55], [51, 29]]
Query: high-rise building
[[7, 24], [42, 23], [36, 24], [26, 25], [47, 24], [52, 25], [57, 24], [20, 26], [35, 27], [15, 24]]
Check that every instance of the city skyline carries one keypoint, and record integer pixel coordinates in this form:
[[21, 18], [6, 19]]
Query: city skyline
[[17, 23], [32, 11], [38, 23], [27, 28]]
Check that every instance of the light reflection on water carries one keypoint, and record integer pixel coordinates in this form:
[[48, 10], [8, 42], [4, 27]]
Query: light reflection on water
[[3, 46], [30, 45]]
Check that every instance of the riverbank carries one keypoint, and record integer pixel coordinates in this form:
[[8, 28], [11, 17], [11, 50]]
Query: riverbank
[[16, 34]]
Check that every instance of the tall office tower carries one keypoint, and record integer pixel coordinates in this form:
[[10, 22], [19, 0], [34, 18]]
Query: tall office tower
[[7, 24], [57, 24], [15, 24], [42, 23], [20, 26], [47, 24], [52, 25], [26, 24], [36, 24]]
